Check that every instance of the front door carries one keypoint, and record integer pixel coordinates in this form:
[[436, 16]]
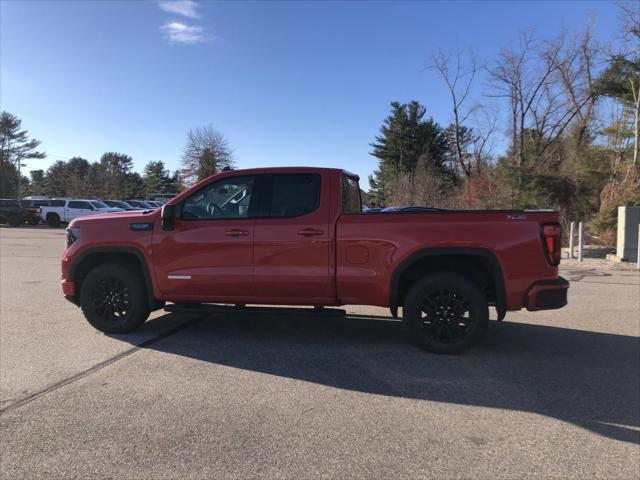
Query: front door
[[291, 239], [208, 255]]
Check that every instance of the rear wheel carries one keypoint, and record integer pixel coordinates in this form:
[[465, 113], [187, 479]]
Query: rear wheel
[[53, 220], [446, 313], [113, 298], [14, 221]]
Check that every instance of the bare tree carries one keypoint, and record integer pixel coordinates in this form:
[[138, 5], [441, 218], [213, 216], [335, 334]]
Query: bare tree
[[207, 152], [458, 74], [422, 187], [576, 75], [547, 86]]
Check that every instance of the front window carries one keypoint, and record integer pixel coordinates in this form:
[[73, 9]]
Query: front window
[[224, 199], [99, 204]]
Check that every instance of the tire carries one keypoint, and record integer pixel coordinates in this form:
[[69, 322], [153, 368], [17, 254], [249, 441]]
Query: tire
[[14, 221], [113, 298], [53, 220], [446, 313]]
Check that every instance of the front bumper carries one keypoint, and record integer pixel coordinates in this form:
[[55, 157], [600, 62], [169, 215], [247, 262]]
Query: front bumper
[[69, 291], [547, 295], [68, 288]]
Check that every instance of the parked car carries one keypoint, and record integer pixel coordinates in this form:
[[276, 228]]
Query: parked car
[[32, 206], [153, 203], [120, 204], [298, 236], [63, 210], [139, 204], [11, 212], [104, 208]]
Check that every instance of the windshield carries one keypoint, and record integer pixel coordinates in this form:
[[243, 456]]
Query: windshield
[[98, 204]]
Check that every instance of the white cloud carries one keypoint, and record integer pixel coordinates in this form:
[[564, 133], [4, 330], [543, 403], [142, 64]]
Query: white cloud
[[178, 32], [186, 8]]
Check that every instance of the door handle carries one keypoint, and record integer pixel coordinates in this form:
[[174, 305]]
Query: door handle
[[236, 233], [310, 232]]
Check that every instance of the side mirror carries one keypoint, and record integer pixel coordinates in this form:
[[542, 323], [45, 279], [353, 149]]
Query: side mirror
[[168, 216]]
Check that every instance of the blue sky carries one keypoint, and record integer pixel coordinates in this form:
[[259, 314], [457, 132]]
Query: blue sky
[[288, 83]]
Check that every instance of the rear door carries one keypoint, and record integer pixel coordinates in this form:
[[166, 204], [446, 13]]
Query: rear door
[[291, 238]]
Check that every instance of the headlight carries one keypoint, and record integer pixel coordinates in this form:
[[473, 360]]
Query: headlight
[[72, 235]]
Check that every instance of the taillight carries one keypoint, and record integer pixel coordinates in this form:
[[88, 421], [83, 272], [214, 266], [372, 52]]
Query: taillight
[[552, 242]]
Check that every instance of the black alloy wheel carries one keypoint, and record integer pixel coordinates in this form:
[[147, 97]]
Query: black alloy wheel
[[110, 299], [445, 315], [114, 298], [446, 312]]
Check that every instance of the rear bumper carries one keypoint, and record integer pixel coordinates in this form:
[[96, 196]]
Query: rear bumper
[[547, 295]]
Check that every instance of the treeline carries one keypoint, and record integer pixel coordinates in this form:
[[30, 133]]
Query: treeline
[[112, 177], [564, 112]]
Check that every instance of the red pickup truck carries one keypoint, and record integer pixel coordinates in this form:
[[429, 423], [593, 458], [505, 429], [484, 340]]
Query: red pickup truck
[[298, 236]]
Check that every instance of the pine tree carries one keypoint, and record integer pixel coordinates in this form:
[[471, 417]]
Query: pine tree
[[15, 147], [404, 138]]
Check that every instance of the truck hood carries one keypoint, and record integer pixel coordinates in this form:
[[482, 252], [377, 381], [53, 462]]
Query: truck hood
[[141, 216]]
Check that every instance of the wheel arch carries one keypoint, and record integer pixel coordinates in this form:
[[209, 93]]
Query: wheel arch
[[95, 256], [480, 264]]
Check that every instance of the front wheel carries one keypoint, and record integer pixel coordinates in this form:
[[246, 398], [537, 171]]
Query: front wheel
[[113, 298], [446, 313]]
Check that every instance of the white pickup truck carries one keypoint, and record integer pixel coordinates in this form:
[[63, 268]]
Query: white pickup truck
[[63, 210]]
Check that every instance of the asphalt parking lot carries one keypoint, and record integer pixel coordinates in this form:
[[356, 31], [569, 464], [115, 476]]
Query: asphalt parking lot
[[547, 395]]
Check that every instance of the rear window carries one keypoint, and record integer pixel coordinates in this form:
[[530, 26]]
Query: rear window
[[350, 196], [290, 195], [83, 205], [9, 203], [57, 203]]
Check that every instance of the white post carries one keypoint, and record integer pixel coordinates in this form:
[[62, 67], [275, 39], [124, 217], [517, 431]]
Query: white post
[[580, 242], [572, 234]]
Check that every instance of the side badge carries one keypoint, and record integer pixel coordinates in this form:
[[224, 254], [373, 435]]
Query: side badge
[[516, 217]]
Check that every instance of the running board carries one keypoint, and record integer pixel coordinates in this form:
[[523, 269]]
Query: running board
[[243, 310]]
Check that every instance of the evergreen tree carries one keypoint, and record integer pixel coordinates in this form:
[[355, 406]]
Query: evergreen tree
[[157, 179], [15, 147], [115, 170], [37, 184], [405, 136]]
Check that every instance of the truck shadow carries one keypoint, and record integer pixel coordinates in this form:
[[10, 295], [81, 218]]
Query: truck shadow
[[585, 378]]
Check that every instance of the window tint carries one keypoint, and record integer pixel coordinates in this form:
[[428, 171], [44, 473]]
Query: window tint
[[58, 203], [98, 204], [350, 196], [290, 195], [227, 198], [76, 204]]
